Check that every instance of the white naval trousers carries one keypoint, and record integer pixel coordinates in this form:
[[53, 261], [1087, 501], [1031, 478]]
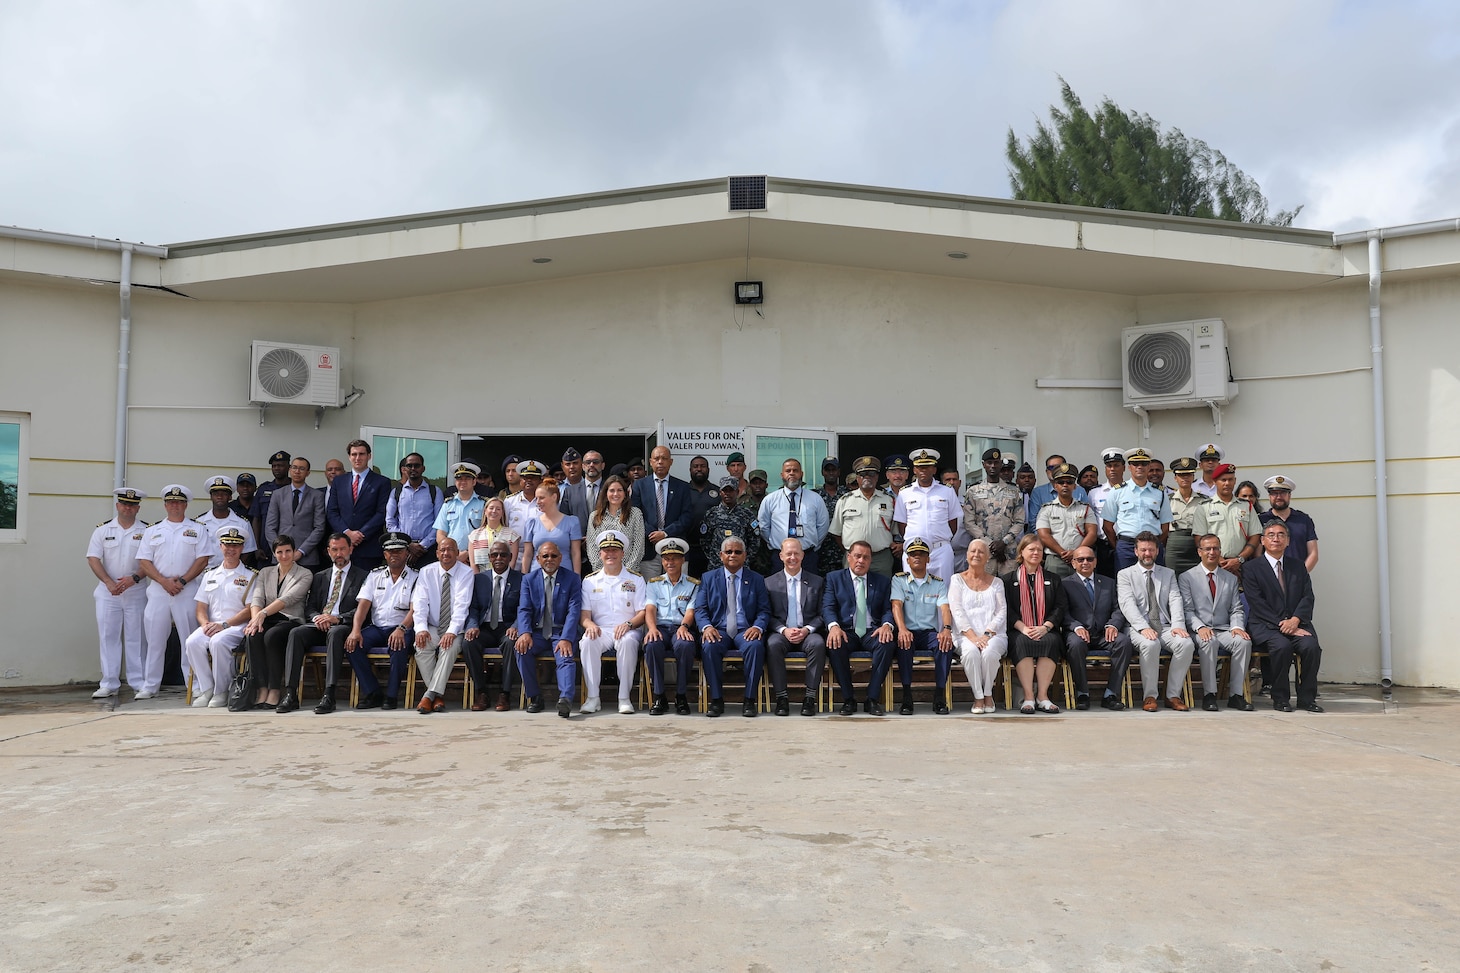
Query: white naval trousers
[[119, 626]]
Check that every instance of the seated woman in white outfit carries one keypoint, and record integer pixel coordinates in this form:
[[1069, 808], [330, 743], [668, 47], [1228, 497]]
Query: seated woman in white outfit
[[980, 619]]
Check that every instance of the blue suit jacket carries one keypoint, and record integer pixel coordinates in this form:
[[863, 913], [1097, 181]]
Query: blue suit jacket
[[710, 606], [481, 599], [839, 600], [1093, 618], [567, 605], [678, 508], [365, 514]]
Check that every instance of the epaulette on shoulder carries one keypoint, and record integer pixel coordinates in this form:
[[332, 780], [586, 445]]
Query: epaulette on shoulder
[[103, 523], [934, 576], [594, 574], [660, 577], [901, 574], [694, 580]]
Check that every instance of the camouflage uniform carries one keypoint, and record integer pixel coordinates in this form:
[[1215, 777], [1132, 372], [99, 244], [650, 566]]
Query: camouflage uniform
[[720, 523], [994, 512]]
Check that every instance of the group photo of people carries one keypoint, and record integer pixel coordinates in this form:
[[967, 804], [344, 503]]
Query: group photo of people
[[385, 583]]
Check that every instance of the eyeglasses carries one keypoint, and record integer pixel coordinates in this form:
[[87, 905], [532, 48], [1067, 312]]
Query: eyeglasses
[[413, 466], [1082, 560], [1051, 467]]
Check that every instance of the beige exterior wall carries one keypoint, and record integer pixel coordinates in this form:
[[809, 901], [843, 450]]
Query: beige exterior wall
[[626, 349]]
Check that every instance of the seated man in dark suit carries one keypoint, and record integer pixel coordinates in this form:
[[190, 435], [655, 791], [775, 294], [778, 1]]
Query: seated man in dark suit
[[491, 623], [1094, 623], [1280, 609], [733, 612], [857, 608], [329, 611], [547, 623], [1215, 618], [794, 627]]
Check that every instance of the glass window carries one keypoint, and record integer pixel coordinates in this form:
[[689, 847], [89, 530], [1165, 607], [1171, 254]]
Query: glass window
[[388, 451], [13, 448], [769, 448]]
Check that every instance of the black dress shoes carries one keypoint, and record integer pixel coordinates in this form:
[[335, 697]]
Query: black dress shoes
[[1082, 702], [1111, 703], [808, 707], [941, 707], [1283, 707], [749, 709], [565, 707], [1209, 702], [783, 706], [1239, 702], [849, 708], [681, 706], [289, 703], [906, 708], [716, 708], [1313, 708], [534, 705], [660, 707], [371, 700], [874, 707], [389, 703], [326, 702]]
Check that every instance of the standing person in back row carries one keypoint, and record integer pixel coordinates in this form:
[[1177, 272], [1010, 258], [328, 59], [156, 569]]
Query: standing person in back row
[[792, 511], [926, 508], [665, 502], [119, 595], [412, 509], [173, 553], [357, 506], [1135, 508]]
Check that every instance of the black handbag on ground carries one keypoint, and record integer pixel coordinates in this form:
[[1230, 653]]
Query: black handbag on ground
[[241, 691]]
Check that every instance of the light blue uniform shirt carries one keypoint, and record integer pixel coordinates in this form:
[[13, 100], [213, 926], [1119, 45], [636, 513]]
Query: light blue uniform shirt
[[671, 601], [459, 518], [775, 513], [415, 512], [921, 600], [1133, 509]]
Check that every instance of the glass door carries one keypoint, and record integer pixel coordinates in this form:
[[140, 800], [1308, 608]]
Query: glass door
[[389, 446], [1014, 443], [766, 448]]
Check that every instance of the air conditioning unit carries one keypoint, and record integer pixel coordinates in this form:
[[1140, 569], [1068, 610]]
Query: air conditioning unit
[[294, 375], [1175, 366]]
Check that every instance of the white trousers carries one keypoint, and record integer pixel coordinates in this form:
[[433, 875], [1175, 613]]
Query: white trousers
[[119, 626], [212, 675], [1208, 650], [982, 665], [940, 560], [435, 663], [162, 613], [1180, 649], [626, 652]]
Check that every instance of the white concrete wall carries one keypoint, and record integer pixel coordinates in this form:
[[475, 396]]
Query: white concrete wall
[[854, 349]]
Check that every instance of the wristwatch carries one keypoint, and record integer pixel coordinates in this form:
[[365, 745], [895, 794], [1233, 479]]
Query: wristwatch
[[136, 579]]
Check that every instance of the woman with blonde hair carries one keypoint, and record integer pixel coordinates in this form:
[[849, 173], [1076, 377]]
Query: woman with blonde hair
[[493, 529], [553, 525], [979, 618]]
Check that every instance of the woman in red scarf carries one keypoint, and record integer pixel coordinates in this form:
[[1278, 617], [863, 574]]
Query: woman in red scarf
[[1036, 606]]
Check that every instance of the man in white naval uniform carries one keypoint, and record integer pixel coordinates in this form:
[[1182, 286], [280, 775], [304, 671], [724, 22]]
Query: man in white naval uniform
[[173, 554], [222, 609], [119, 595], [220, 495], [613, 618], [928, 509]]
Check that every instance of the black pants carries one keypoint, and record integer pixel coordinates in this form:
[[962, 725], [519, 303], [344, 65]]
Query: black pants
[[306, 638], [267, 649], [487, 640]]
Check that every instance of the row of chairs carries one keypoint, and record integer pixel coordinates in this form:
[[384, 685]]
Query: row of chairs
[[315, 663]]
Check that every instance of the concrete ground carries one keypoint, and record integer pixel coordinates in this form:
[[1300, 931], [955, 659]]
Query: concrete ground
[[151, 835]]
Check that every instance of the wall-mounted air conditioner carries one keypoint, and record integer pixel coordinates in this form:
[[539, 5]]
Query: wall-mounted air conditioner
[[287, 374]]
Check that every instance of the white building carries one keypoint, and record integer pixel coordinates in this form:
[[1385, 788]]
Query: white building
[[889, 317]]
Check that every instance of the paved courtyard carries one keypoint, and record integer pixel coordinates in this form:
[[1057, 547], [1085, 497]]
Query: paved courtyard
[[151, 835]]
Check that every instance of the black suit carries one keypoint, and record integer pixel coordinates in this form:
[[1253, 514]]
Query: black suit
[[677, 509], [809, 589], [1268, 605], [1094, 618], [307, 637], [479, 616]]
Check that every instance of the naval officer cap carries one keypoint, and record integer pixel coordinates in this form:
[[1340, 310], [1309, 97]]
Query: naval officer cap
[[867, 464], [612, 540], [1274, 484], [1138, 455], [129, 495], [230, 535], [395, 540], [1112, 454], [917, 546], [1210, 451], [1064, 472], [926, 457], [671, 545], [176, 491], [531, 467], [219, 483], [1184, 464], [466, 469]]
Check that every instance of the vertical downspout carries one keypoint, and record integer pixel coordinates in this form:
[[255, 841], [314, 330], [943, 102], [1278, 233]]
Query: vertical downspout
[[124, 355], [1381, 461]]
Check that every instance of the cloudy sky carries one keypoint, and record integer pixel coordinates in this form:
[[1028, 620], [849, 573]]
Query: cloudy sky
[[171, 121]]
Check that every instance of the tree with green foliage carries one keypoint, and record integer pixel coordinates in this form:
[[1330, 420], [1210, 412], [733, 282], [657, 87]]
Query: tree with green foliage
[[1115, 159], [7, 506]]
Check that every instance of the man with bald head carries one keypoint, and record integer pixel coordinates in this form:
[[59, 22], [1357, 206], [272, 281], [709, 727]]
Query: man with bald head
[[665, 503], [1094, 623]]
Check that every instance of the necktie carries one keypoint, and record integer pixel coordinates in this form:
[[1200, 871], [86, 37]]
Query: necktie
[[1153, 609], [496, 618], [1212, 585], [659, 497], [355, 487], [791, 518], [1090, 590], [732, 604], [443, 609], [296, 499], [1282, 584], [593, 494], [793, 602], [331, 605], [547, 606], [859, 617]]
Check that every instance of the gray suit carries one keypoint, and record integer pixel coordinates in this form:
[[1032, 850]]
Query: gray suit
[[306, 525], [777, 645], [1169, 613], [1221, 616], [575, 502]]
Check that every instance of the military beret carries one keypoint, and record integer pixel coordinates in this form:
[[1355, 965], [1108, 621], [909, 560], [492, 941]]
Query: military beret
[[736, 457], [1224, 469], [992, 455]]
